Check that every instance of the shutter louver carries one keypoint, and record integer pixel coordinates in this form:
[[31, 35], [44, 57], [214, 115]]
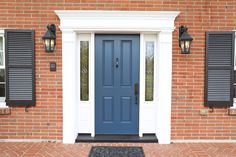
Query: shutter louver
[[219, 69], [20, 68]]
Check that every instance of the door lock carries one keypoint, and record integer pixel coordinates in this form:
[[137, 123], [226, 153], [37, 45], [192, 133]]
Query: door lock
[[117, 62]]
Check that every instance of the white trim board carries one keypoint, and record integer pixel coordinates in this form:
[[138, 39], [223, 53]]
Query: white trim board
[[2, 99], [158, 23]]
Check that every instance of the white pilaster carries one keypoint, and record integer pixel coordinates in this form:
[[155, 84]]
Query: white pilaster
[[164, 76], [69, 84]]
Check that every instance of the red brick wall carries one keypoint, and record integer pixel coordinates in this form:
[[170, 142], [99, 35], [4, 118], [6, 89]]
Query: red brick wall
[[45, 120]]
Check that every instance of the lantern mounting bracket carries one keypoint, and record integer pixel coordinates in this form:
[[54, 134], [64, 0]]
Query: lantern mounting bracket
[[52, 29]]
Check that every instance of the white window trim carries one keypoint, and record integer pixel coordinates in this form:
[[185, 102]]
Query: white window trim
[[234, 99], [2, 99]]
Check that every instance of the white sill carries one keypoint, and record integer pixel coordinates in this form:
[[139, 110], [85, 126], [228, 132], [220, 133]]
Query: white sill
[[3, 105], [234, 103]]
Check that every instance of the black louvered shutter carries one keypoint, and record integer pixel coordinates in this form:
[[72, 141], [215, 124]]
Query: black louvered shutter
[[20, 86], [219, 69]]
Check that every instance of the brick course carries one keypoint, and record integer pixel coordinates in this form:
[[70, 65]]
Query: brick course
[[45, 120]]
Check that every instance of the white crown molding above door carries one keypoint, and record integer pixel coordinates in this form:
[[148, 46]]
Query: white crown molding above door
[[117, 20]]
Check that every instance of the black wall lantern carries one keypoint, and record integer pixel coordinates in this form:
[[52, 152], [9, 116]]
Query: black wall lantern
[[49, 38], [185, 40]]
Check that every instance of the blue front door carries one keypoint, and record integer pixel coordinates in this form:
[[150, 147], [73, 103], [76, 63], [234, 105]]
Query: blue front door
[[117, 78]]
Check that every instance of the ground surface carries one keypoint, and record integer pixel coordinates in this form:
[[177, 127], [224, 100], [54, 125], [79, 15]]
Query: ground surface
[[82, 149]]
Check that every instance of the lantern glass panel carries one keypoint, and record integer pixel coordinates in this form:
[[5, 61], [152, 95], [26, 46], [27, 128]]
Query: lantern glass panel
[[182, 46], [52, 44], [187, 44], [46, 44]]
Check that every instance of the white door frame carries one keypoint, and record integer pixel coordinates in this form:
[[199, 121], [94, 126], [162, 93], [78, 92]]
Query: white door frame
[[78, 117]]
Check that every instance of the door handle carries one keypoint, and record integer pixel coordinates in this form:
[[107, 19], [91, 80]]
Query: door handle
[[136, 92]]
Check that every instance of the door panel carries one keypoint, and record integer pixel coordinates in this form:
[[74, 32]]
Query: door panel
[[126, 63], [108, 109], [126, 110], [116, 72], [107, 62]]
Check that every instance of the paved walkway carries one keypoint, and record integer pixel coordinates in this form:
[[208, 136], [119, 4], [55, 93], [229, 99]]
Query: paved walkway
[[82, 149]]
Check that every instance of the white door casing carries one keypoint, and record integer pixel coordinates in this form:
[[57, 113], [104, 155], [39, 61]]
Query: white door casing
[[78, 116]]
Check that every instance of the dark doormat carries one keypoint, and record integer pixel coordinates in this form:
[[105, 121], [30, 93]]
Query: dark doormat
[[108, 151]]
